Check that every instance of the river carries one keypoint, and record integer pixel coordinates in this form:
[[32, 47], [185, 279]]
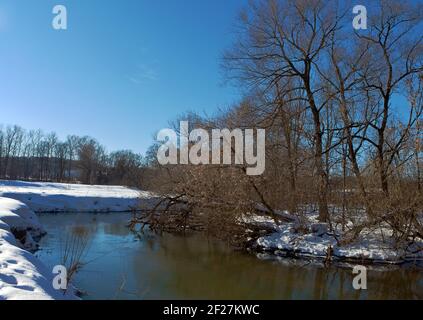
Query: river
[[119, 264]]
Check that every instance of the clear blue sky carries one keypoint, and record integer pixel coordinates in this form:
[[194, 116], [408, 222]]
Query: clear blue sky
[[120, 72]]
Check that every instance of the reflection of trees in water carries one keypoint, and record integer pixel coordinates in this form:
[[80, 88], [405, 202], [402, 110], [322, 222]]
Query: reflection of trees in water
[[397, 283], [406, 283], [192, 267], [116, 229], [74, 246]]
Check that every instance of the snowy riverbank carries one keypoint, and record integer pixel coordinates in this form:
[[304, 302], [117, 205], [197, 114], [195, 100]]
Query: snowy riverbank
[[22, 275], [374, 245]]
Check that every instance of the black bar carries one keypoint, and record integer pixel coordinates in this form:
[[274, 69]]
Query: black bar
[[274, 310]]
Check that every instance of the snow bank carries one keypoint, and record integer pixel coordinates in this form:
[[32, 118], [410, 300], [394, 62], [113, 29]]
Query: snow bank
[[373, 245], [22, 275], [59, 197]]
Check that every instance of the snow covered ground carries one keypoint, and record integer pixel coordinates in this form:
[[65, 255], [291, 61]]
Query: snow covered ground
[[59, 197], [373, 245], [22, 275]]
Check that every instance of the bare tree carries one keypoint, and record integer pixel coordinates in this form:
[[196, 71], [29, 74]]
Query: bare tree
[[396, 55], [285, 40]]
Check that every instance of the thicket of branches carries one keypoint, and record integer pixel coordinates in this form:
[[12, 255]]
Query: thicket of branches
[[33, 155], [343, 114]]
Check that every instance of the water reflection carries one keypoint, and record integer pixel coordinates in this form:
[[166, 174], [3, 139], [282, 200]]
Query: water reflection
[[123, 266]]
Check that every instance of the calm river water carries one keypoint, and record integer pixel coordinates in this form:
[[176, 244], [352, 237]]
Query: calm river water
[[121, 265]]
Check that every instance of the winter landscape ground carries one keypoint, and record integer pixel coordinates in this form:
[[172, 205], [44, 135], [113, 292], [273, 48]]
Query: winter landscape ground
[[22, 276]]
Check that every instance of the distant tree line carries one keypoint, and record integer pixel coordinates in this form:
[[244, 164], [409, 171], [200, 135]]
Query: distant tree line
[[34, 155]]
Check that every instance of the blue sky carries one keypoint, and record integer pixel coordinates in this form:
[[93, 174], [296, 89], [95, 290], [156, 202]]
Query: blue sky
[[120, 72]]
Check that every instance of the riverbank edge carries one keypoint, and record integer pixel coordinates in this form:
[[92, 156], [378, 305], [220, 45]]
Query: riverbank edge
[[22, 275], [322, 245]]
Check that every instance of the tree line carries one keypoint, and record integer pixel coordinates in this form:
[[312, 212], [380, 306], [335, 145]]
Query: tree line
[[34, 155]]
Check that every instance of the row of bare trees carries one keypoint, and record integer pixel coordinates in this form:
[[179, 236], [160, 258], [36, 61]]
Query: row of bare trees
[[33, 155], [342, 109]]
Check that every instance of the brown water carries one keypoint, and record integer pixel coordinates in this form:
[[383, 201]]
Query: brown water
[[121, 265]]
